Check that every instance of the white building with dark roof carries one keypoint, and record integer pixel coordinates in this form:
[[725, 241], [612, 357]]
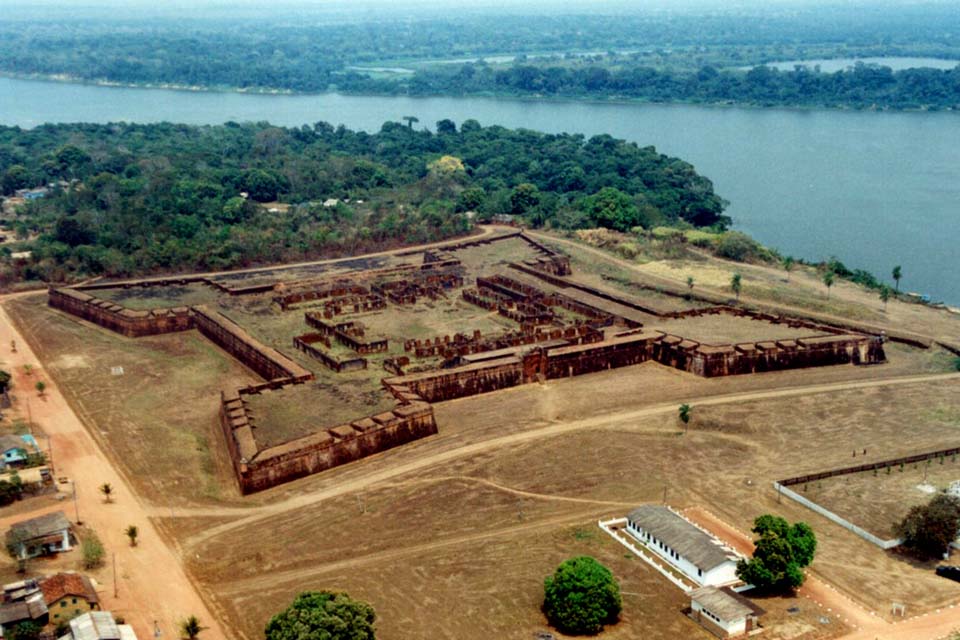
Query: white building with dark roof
[[683, 545], [724, 612]]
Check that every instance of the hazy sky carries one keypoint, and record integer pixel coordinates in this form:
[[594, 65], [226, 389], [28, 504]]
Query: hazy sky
[[32, 9]]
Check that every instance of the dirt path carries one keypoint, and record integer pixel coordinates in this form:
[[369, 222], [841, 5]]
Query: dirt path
[[279, 578], [152, 585], [439, 458]]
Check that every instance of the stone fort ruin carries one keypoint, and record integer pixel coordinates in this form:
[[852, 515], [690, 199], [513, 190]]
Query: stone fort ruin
[[540, 323]]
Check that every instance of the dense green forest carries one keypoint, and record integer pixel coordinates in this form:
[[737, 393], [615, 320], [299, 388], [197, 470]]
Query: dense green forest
[[132, 199], [863, 86], [656, 56]]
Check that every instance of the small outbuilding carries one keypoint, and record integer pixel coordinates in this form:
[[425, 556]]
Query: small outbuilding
[[98, 625], [16, 450], [724, 612], [40, 536]]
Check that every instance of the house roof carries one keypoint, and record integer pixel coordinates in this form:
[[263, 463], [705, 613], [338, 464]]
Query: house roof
[[30, 609], [8, 442], [95, 625], [38, 527], [725, 603], [68, 584], [691, 542]]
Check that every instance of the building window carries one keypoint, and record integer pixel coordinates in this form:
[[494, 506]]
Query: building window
[[63, 603], [74, 601]]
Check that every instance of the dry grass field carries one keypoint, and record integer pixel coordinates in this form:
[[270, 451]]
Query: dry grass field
[[725, 329], [451, 536]]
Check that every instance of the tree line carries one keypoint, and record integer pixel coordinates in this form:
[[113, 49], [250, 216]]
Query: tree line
[[862, 86], [131, 199], [687, 56]]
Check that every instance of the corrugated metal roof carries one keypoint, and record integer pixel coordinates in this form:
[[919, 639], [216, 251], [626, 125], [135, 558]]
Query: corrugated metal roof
[[692, 543]]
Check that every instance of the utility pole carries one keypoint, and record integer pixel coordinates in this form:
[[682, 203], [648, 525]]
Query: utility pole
[[29, 417], [114, 574], [76, 505]]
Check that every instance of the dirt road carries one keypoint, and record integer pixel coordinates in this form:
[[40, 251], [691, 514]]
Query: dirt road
[[151, 586]]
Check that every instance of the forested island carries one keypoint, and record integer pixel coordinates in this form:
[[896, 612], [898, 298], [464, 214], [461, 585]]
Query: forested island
[[127, 199], [715, 58]]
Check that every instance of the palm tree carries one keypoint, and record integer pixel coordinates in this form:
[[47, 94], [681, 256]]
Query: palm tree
[[107, 490], [190, 628], [735, 284], [132, 532], [897, 274], [828, 279], [788, 263]]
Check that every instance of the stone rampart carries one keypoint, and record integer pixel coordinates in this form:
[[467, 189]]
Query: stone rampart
[[129, 322], [324, 449]]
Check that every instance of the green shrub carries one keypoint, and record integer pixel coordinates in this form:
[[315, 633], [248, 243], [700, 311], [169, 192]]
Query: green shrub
[[581, 597], [737, 246]]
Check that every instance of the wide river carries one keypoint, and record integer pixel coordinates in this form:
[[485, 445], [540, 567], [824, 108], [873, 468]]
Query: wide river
[[874, 189]]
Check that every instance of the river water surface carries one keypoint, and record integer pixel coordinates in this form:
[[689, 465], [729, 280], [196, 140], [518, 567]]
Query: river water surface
[[874, 189]]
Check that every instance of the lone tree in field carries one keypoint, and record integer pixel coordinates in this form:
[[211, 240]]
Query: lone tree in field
[[323, 614], [132, 532], [897, 274], [190, 628], [788, 263], [884, 295], [736, 284], [581, 597], [107, 490], [927, 530], [782, 551], [41, 386], [690, 283], [828, 279], [684, 413]]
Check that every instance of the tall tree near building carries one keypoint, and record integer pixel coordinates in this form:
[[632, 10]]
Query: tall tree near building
[[897, 274], [782, 551]]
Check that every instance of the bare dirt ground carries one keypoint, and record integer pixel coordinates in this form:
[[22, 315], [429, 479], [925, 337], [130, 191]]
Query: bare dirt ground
[[468, 522]]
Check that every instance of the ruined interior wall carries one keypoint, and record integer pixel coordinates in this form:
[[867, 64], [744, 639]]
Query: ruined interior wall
[[447, 384], [266, 361]]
